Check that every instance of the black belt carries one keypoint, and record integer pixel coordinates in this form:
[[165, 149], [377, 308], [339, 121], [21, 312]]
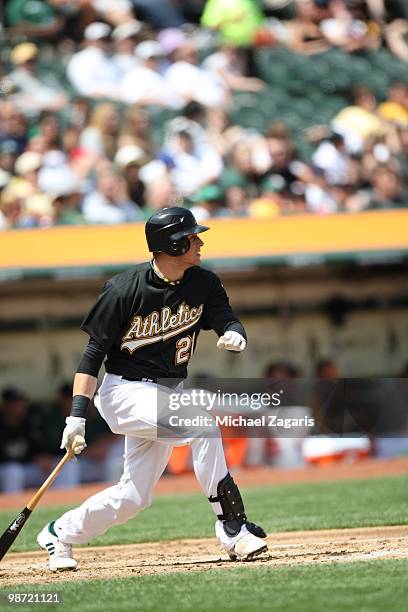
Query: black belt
[[157, 381], [129, 379]]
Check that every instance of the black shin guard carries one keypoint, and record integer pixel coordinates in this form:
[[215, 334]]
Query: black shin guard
[[233, 512]]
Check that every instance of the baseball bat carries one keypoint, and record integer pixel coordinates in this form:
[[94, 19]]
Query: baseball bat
[[12, 531]]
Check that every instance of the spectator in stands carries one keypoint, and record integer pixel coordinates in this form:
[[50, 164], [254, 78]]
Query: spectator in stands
[[271, 200], [26, 185], [8, 156], [60, 169], [136, 130], [115, 12], [319, 196], [209, 202], [100, 136], [342, 194], [129, 160], [392, 17], [92, 71], [332, 159], [159, 194], [144, 85], [196, 163], [81, 161], [237, 22], [160, 14], [13, 133], [50, 130], [78, 112], [13, 213], [230, 65], [241, 162], [4, 180], [359, 121], [36, 19], [191, 82], [282, 154], [344, 29], [303, 33], [376, 151], [401, 155], [35, 91], [387, 189], [221, 133], [66, 203], [237, 199], [395, 108], [110, 202], [125, 36]]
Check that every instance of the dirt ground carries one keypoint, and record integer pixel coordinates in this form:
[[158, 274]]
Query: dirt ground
[[248, 477], [293, 548]]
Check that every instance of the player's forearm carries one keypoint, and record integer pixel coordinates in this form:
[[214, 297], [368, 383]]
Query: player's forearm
[[84, 384], [83, 392]]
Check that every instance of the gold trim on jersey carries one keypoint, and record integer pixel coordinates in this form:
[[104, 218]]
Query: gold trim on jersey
[[161, 275], [160, 326]]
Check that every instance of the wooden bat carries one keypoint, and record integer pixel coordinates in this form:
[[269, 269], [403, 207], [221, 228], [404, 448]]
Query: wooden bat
[[12, 531]]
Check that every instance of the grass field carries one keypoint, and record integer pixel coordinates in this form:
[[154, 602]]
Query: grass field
[[353, 587], [366, 586], [359, 503]]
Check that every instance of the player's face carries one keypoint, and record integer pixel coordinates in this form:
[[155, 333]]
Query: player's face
[[193, 255]]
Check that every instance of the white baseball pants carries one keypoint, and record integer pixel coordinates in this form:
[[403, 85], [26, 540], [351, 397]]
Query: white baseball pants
[[129, 408]]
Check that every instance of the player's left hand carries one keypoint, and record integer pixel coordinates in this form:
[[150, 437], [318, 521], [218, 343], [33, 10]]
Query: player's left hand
[[232, 341], [75, 426]]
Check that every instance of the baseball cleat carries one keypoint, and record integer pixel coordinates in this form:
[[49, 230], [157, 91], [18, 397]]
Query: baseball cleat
[[60, 554], [247, 547]]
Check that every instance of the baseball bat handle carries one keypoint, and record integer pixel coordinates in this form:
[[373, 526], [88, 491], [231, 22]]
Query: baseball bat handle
[[47, 483]]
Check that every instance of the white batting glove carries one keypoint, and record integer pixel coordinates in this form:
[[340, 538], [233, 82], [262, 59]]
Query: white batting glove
[[75, 426], [232, 341]]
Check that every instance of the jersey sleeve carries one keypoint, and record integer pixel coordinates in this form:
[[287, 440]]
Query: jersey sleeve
[[218, 314], [104, 322], [92, 359]]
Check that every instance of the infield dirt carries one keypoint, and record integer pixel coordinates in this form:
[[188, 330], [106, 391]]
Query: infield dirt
[[291, 548]]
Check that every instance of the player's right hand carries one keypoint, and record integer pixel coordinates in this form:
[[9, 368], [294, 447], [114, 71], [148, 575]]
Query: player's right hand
[[75, 426]]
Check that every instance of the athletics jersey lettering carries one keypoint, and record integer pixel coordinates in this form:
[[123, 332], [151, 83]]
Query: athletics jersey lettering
[[160, 326]]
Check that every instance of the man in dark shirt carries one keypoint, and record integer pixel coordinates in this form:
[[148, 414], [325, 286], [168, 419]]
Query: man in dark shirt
[[17, 444], [147, 321]]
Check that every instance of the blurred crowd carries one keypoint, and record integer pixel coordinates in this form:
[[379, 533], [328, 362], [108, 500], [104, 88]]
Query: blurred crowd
[[82, 83]]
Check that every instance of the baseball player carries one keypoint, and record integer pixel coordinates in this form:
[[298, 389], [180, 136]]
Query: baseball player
[[146, 322]]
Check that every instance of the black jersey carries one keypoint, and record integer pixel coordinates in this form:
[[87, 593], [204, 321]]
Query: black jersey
[[148, 328]]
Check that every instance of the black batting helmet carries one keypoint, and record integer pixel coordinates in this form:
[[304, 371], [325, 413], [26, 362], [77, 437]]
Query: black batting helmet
[[167, 230]]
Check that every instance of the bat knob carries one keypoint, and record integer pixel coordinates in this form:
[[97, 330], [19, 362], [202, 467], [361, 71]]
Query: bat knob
[[78, 445]]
